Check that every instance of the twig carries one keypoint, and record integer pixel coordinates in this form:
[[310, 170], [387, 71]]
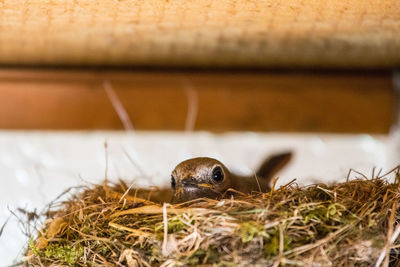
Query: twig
[[390, 236], [258, 183], [302, 249], [165, 222], [193, 105], [281, 246], [118, 106], [106, 168]]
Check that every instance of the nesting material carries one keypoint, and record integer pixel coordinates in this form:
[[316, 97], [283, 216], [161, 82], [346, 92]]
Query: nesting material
[[355, 223]]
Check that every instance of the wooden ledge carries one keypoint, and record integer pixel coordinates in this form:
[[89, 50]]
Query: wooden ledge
[[358, 102]]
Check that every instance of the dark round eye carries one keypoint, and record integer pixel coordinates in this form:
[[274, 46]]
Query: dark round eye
[[217, 174], [173, 182]]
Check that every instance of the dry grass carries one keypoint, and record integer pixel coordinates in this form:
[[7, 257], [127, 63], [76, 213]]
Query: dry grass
[[355, 223]]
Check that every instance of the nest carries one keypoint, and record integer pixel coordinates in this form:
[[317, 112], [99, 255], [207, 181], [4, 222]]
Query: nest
[[355, 223]]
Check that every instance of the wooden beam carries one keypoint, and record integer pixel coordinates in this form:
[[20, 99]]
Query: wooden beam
[[202, 33], [227, 101]]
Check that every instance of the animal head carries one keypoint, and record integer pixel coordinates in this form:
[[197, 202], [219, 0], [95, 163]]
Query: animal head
[[199, 177]]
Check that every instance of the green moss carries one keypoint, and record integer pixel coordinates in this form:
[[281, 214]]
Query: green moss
[[33, 247], [250, 230], [328, 214], [225, 264], [272, 244], [202, 256], [104, 250], [175, 224], [64, 253], [155, 253]]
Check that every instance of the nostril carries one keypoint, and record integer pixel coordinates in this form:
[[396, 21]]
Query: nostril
[[188, 181]]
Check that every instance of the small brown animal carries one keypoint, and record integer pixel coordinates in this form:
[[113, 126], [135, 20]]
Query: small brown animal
[[207, 177]]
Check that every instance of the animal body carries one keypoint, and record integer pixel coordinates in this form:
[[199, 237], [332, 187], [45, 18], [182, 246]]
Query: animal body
[[207, 177]]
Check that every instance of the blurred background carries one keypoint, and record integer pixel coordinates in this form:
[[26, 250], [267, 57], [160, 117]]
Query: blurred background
[[163, 81]]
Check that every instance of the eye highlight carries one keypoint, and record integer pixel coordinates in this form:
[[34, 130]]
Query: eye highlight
[[218, 174], [173, 182]]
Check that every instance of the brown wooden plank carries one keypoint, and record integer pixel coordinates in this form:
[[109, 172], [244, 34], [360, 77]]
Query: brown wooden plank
[[157, 100]]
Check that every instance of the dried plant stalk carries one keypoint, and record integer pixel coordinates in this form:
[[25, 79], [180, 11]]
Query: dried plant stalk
[[355, 223]]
